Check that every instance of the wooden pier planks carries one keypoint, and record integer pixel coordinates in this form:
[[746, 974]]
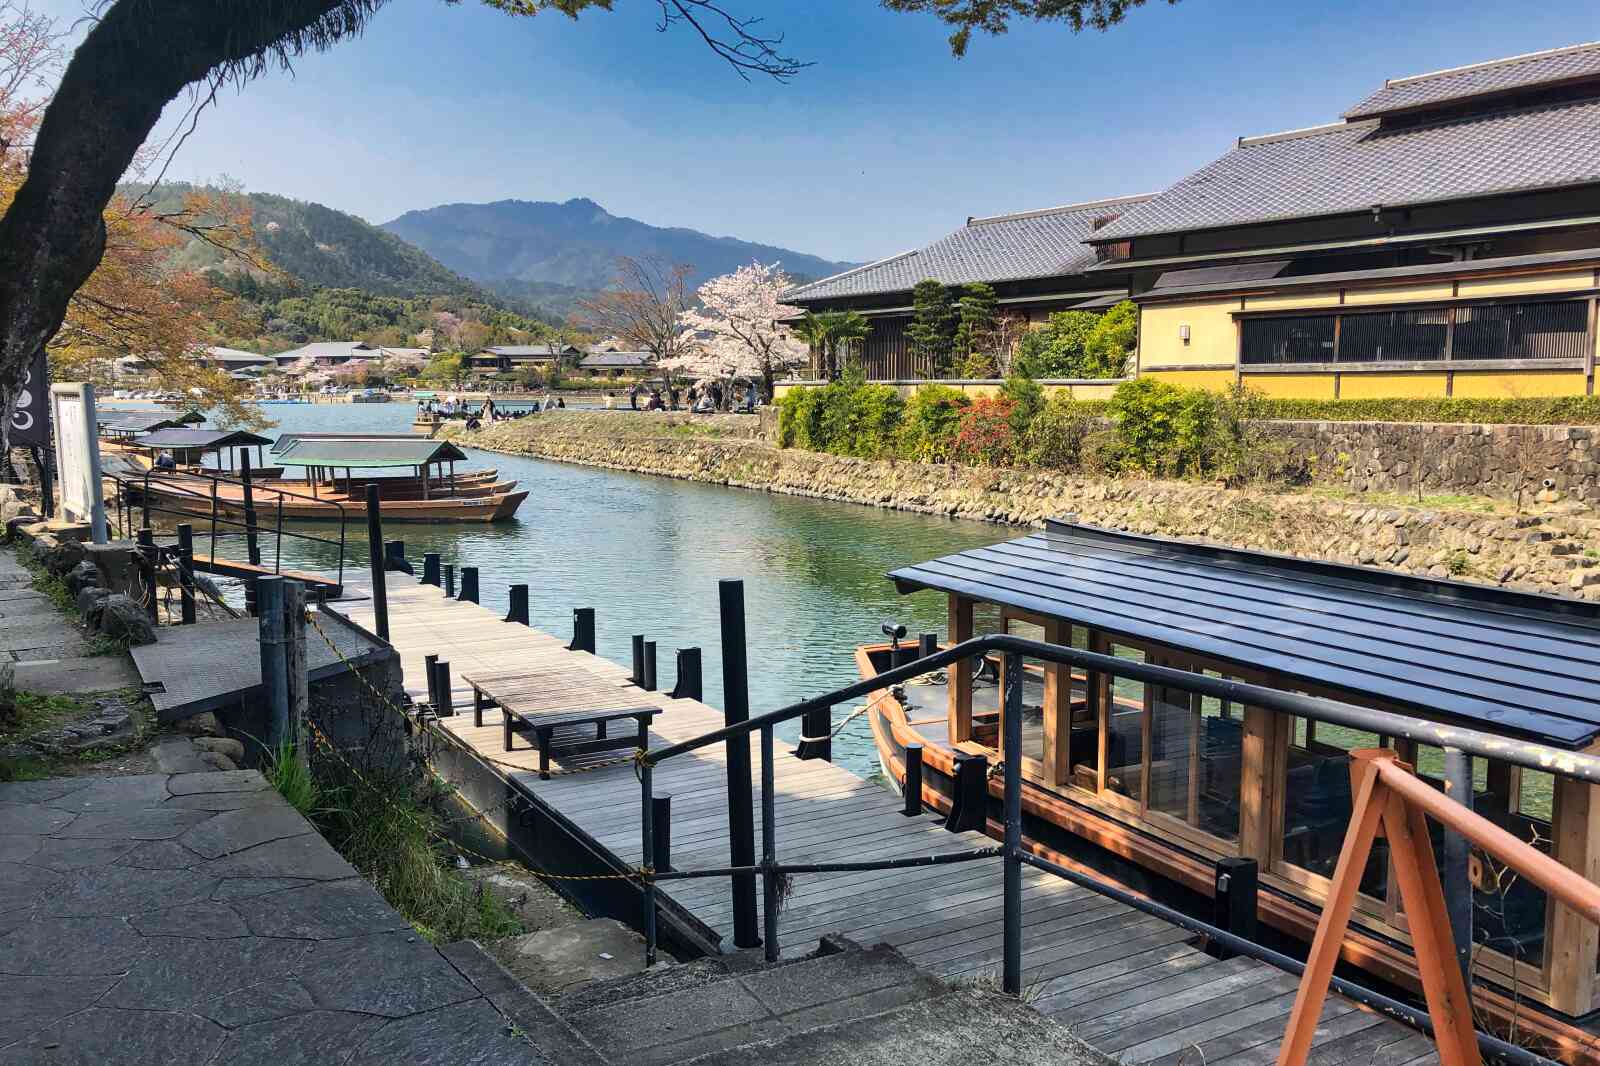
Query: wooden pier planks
[[1132, 981]]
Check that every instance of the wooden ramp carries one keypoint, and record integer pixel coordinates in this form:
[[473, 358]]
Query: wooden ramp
[[316, 583], [1129, 983]]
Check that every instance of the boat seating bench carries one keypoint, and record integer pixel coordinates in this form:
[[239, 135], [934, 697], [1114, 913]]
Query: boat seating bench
[[552, 706]]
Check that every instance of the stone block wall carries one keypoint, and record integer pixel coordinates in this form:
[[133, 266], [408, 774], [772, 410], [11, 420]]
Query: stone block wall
[[1508, 462]]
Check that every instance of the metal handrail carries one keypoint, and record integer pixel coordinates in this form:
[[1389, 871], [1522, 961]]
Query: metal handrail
[[218, 518], [1384, 723], [1453, 739]]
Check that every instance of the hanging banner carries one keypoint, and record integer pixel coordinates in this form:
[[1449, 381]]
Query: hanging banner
[[78, 456], [31, 424]]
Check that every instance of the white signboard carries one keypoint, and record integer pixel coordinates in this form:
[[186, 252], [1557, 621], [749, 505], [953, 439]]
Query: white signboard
[[78, 456]]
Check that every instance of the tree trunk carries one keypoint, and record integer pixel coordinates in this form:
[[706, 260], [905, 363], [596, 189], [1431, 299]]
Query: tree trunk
[[136, 60]]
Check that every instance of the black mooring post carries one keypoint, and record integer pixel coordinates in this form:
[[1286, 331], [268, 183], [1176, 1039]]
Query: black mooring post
[[969, 802], [469, 584], [1234, 901], [519, 605], [661, 849], [1456, 867], [815, 739], [649, 666], [449, 581], [913, 785], [927, 644], [638, 660], [148, 568], [380, 590], [252, 545], [582, 630], [688, 686], [428, 663], [430, 569], [736, 709], [186, 572], [1011, 971], [445, 706], [394, 557]]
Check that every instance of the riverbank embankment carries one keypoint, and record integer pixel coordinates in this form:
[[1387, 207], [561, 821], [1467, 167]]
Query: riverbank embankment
[[1543, 548]]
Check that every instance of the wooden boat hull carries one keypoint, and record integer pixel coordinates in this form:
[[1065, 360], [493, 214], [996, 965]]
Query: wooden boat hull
[[399, 489], [480, 509], [1084, 838]]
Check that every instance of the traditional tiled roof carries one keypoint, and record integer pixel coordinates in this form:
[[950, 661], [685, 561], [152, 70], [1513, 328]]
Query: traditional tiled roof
[[615, 360], [1031, 244], [1353, 166], [1513, 74], [328, 350]]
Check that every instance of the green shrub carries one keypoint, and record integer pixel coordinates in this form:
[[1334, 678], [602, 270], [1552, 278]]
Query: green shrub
[[1056, 435], [985, 436], [1528, 410], [1147, 413], [1109, 346], [1027, 400], [1055, 350], [846, 417], [799, 418], [1103, 453], [929, 423]]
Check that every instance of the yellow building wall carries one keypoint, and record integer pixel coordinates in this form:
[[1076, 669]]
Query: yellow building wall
[[1291, 302], [1215, 380], [1507, 384], [1212, 335], [1377, 386], [1399, 294], [1573, 279], [1291, 386]]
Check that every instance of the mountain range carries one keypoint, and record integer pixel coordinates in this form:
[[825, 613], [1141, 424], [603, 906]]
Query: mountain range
[[519, 246]]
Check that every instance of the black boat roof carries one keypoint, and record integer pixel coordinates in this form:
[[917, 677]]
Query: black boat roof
[[1514, 663]]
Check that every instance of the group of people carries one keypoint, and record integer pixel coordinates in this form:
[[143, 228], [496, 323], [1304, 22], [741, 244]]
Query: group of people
[[701, 399]]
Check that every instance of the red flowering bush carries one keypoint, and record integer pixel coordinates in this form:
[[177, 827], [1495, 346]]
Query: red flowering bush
[[985, 435]]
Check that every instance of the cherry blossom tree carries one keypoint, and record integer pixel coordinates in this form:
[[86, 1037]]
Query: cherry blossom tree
[[737, 330]]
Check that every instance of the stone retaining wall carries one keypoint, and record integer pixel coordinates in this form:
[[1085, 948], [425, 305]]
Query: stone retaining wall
[[1554, 550], [1508, 462]]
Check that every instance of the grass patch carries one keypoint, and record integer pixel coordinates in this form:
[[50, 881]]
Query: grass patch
[[387, 832], [43, 581], [1443, 501], [102, 645], [24, 713]]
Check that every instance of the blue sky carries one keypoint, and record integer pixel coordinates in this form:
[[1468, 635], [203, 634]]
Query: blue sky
[[884, 144]]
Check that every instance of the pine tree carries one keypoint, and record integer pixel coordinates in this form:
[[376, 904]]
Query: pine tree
[[975, 327], [931, 333]]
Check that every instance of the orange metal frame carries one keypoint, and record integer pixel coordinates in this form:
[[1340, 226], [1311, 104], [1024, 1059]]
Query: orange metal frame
[[1390, 799]]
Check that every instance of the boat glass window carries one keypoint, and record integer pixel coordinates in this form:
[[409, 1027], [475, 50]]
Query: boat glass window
[[1317, 802], [1196, 758], [1125, 730], [1032, 691], [1508, 912]]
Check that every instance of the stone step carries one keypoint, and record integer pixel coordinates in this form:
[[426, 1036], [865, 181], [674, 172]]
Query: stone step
[[720, 1008], [556, 1042]]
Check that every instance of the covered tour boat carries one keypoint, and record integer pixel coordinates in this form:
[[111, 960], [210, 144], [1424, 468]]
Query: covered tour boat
[[1155, 787]]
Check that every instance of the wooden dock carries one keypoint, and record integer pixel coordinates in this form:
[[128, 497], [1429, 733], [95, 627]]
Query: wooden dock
[[1131, 984]]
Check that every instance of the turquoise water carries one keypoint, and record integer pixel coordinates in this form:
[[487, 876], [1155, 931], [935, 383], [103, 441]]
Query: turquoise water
[[647, 554]]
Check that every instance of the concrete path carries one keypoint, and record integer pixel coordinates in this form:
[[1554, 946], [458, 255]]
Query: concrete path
[[46, 648], [197, 918]]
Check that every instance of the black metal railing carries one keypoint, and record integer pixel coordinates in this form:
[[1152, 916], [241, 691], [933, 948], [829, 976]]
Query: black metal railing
[[178, 496], [1459, 746]]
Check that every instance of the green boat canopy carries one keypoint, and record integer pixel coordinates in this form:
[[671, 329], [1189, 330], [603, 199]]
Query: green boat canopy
[[366, 454], [286, 440]]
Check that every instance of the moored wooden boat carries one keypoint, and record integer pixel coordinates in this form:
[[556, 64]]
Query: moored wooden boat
[[1155, 787], [194, 495]]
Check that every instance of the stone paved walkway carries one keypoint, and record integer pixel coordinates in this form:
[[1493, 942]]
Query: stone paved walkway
[[197, 918], [46, 649]]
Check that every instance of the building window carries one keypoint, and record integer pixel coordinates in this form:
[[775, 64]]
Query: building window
[[1544, 329]]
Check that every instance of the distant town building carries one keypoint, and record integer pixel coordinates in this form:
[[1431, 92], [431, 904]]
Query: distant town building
[[504, 358], [614, 364], [328, 353]]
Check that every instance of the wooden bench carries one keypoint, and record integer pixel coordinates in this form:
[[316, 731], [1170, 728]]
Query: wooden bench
[[542, 701]]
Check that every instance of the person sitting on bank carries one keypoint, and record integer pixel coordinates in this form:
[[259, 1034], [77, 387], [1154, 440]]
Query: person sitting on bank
[[165, 461], [703, 405], [611, 400]]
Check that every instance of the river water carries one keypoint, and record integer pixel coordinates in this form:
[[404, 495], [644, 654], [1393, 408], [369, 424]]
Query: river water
[[647, 553]]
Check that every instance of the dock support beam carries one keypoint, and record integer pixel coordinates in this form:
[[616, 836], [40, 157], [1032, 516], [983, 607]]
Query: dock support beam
[[1455, 868], [444, 701], [252, 544], [736, 709], [689, 682], [519, 605], [282, 604], [661, 848], [582, 630], [1011, 978], [912, 791], [769, 849], [375, 549], [430, 569], [186, 572], [469, 584], [149, 567], [1234, 901], [428, 663], [649, 666]]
